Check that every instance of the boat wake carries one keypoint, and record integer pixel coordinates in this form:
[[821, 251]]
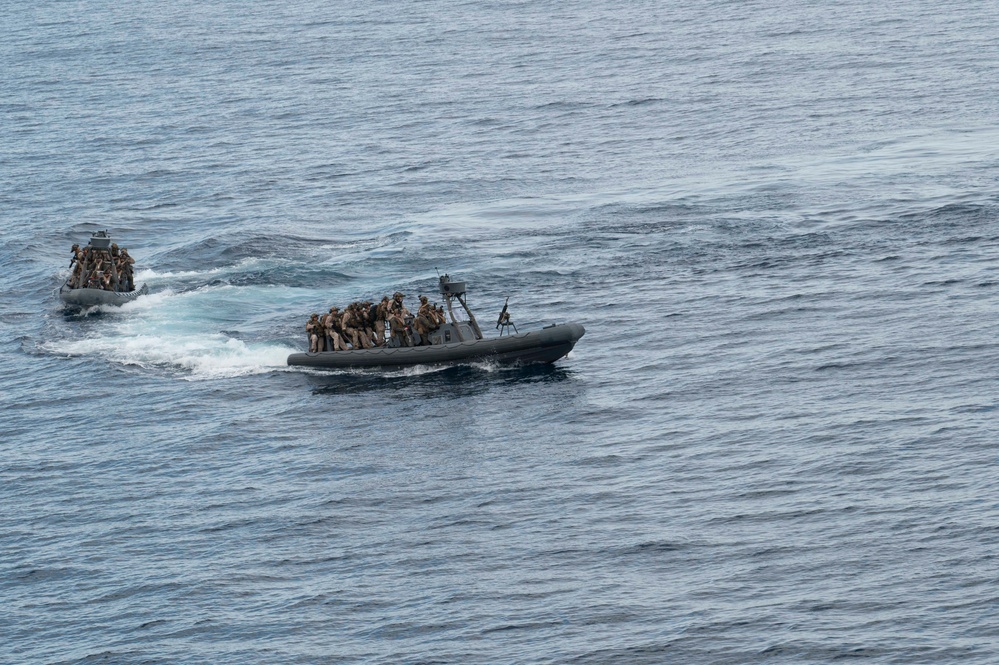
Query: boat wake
[[192, 334], [197, 357]]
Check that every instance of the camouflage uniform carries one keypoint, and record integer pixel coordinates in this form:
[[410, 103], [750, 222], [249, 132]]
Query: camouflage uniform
[[425, 321], [365, 327], [366, 315], [398, 304], [127, 273], [381, 316], [76, 263], [397, 322], [352, 327], [331, 324], [347, 328], [312, 329]]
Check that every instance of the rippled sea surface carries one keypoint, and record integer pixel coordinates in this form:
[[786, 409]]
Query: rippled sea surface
[[777, 442]]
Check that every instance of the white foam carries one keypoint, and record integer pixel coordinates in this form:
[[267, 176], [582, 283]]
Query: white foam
[[179, 332], [150, 275], [198, 356], [393, 373], [249, 264], [487, 366], [418, 370]]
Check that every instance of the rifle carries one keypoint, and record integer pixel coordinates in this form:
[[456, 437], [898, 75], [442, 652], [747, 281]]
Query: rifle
[[503, 315]]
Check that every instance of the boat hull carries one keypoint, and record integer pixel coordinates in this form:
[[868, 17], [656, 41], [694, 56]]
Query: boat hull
[[542, 346], [93, 297]]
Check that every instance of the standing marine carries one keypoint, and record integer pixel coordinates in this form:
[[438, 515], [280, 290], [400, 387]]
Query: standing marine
[[397, 324], [425, 320], [127, 264], [381, 316]]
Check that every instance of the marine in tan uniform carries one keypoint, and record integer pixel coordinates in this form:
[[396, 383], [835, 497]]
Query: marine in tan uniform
[[331, 325], [76, 263], [77, 277], [358, 323], [312, 330], [381, 316], [398, 304], [94, 280], [347, 327], [352, 327], [397, 324], [367, 324], [366, 315], [127, 271], [425, 321]]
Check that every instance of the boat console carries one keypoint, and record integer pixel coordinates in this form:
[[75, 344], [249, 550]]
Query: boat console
[[455, 291]]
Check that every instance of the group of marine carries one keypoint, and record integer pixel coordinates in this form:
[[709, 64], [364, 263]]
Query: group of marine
[[108, 269], [363, 325]]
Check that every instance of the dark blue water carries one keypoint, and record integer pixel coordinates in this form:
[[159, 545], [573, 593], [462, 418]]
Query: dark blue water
[[777, 442]]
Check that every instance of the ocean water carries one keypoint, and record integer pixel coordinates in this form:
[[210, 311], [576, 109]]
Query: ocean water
[[777, 442]]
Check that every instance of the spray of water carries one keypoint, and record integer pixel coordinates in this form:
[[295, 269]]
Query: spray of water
[[180, 332]]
